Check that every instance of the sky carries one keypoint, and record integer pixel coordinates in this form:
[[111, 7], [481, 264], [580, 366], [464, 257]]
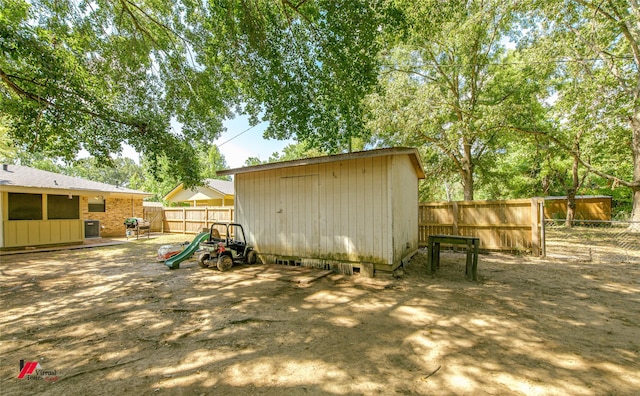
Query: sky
[[238, 143]]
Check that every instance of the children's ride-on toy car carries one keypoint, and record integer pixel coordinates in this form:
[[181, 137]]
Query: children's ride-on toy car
[[222, 252]]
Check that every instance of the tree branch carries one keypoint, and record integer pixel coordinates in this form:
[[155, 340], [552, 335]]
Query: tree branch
[[296, 8], [136, 23], [618, 20], [391, 69], [605, 58], [43, 102], [155, 21], [449, 153]]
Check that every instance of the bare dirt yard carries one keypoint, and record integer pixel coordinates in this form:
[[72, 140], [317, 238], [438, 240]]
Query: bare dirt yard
[[112, 320]]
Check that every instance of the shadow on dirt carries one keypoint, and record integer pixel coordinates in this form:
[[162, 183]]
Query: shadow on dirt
[[111, 320]]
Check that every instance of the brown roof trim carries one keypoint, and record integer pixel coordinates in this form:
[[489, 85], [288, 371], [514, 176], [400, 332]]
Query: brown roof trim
[[410, 151]]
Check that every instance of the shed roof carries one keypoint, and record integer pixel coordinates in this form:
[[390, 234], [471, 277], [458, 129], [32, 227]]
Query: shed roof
[[410, 151], [18, 176]]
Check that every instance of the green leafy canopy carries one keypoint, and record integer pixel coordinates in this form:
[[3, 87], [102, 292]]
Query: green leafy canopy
[[92, 75]]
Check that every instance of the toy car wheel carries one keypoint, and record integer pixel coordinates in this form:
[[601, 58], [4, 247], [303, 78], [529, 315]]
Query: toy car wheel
[[252, 257], [202, 259], [224, 263]]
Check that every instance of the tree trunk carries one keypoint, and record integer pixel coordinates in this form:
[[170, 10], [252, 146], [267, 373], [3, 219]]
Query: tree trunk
[[571, 207], [571, 193], [467, 184], [635, 215], [467, 173], [635, 149]]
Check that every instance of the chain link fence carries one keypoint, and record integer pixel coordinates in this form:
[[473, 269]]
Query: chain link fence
[[593, 240]]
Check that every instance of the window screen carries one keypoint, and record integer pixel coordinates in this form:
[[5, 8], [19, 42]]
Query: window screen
[[25, 206], [63, 207], [97, 204]]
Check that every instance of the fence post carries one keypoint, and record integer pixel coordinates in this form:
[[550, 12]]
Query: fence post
[[543, 236], [535, 230], [184, 220]]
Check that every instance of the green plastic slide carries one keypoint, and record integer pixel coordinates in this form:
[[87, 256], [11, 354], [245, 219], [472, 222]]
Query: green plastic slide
[[174, 262]]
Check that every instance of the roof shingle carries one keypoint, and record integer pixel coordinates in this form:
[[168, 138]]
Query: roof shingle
[[224, 186], [24, 176]]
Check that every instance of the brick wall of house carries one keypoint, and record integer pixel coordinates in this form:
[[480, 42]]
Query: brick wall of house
[[117, 210]]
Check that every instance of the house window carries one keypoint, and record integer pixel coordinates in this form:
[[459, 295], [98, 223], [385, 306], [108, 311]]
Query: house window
[[25, 206], [97, 204], [63, 207]]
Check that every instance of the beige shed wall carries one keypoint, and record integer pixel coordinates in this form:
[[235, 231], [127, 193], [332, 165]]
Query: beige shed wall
[[404, 198], [336, 211], [2, 216]]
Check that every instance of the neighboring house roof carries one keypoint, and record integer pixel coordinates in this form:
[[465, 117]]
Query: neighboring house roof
[[219, 187], [223, 186], [410, 151], [18, 177]]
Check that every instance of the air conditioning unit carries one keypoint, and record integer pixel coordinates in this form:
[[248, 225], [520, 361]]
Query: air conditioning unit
[[92, 229]]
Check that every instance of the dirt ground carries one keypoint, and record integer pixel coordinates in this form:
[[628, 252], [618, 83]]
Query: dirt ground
[[112, 320]]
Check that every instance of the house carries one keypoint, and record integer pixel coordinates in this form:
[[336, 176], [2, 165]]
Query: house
[[353, 212], [43, 208], [213, 193], [588, 207]]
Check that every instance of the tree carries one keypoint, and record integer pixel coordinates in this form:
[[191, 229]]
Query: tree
[[291, 152], [305, 66], [451, 86], [520, 170], [596, 46], [124, 173], [252, 161], [296, 151], [7, 149], [92, 75], [160, 185], [211, 161]]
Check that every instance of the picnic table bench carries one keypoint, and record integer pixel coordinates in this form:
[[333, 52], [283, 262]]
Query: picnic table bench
[[472, 243]]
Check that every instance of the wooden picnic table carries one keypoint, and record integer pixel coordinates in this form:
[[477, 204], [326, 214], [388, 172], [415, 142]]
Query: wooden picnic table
[[472, 244]]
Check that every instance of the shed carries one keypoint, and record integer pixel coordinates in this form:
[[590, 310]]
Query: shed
[[588, 207], [214, 192], [356, 211], [44, 208]]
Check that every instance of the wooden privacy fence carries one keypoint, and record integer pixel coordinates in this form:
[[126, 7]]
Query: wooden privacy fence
[[191, 220], [154, 215], [511, 225]]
